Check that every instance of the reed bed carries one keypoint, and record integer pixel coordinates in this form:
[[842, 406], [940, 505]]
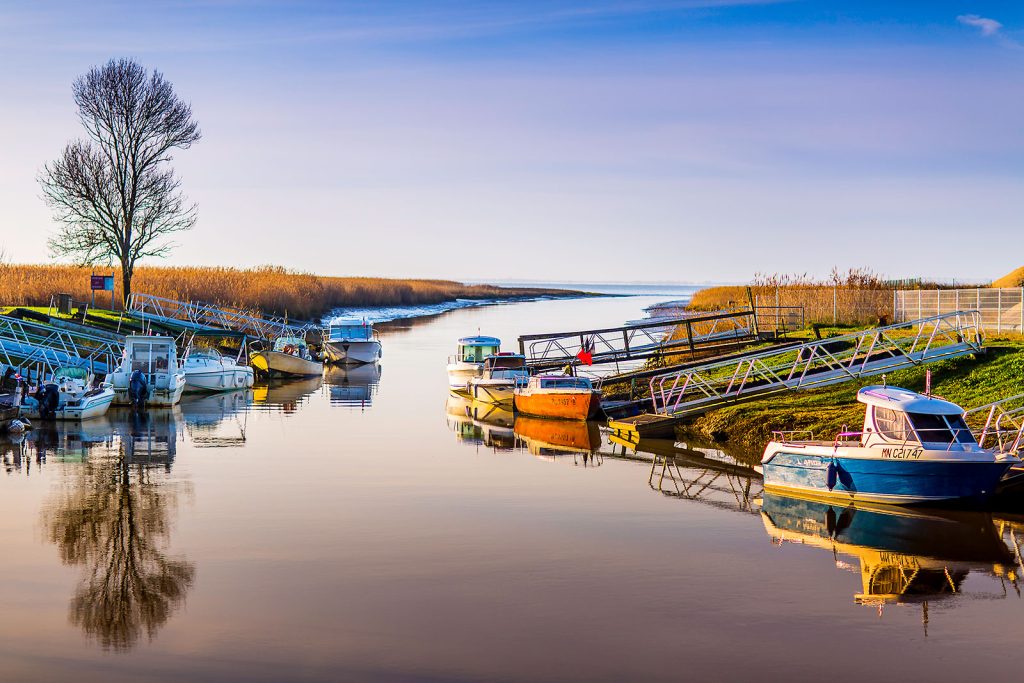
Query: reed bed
[[857, 297], [266, 288]]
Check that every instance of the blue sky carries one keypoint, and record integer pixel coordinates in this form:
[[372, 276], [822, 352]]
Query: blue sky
[[623, 140]]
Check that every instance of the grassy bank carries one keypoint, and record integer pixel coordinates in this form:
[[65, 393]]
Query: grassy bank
[[969, 381], [267, 288]]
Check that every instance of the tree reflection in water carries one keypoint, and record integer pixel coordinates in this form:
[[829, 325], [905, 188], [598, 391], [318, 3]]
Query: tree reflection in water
[[113, 516]]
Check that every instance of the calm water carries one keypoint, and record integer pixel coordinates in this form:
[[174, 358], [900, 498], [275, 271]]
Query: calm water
[[366, 528]]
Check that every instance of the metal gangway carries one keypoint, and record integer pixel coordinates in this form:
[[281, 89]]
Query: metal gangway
[[640, 341], [816, 364], [205, 315], [37, 350]]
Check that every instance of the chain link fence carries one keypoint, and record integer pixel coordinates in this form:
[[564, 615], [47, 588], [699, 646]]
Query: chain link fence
[[1002, 310]]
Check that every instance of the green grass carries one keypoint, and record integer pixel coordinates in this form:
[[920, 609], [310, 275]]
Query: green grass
[[968, 381]]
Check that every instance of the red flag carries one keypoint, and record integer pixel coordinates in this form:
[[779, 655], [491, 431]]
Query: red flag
[[585, 354]]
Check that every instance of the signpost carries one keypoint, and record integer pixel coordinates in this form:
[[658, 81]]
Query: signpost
[[103, 283]]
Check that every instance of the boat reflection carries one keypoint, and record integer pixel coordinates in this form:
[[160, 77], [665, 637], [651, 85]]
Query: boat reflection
[[216, 420], [352, 386], [112, 516], [481, 424], [905, 555], [552, 438], [285, 395]]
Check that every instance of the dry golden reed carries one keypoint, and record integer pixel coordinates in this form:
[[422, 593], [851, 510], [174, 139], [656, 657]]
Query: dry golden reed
[[266, 288]]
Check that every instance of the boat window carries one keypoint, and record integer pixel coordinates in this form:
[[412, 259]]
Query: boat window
[[892, 424], [566, 383], [931, 428], [960, 428], [149, 357]]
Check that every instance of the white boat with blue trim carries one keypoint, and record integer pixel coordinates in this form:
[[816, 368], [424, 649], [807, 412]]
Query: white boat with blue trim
[[468, 361], [352, 341], [914, 448]]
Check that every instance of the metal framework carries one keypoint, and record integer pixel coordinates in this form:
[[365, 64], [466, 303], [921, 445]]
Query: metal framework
[[35, 348], [1003, 424], [159, 309], [638, 341], [816, 364]]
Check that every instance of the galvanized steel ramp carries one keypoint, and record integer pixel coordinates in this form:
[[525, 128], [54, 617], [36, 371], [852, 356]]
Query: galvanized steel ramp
[[35, 348], [209, 316], [815, 364]]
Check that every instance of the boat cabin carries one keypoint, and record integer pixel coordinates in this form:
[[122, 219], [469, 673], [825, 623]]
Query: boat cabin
[[560, 382], [506, 366], [152, 355], [349, 330], [899, 416], [476, 349]]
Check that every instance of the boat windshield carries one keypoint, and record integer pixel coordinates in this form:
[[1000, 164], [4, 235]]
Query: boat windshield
[[150, 357], [350, 332], [289, 344], [471, 353], [506, 362], [565, 383], [944, 429]]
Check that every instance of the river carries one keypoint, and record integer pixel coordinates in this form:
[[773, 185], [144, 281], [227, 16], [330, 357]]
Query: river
[[367, 528]]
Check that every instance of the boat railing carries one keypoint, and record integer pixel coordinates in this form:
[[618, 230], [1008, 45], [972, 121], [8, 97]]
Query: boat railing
[[1004, 424], [915, 440], [792, 435]]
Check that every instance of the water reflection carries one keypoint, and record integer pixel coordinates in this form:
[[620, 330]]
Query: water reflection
[[481, 424], [111, 515], [688, 472], [902, 555], [352, 386], [553, 438], [217, 420], [285, 395]]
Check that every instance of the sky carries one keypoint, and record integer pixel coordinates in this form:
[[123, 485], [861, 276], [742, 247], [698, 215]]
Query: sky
[[621, 140]]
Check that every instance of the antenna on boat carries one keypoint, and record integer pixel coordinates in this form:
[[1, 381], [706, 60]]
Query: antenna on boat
[[928, 383], [883, 380]]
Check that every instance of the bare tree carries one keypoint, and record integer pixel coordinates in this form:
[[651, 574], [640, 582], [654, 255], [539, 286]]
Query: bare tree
[[114, 193]]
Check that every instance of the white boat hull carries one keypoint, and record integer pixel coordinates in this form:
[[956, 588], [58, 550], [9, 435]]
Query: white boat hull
[[459, 375], [353, 352], [167, 395], [87, 408], [227, 379]]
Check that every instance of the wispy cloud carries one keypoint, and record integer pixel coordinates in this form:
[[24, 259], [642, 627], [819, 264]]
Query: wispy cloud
[[988, 27]]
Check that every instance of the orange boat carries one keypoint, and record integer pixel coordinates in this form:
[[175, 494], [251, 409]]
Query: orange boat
[[558, 396]]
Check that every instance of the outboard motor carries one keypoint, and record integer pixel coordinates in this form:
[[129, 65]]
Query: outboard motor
[[138, 390], [49, 400]]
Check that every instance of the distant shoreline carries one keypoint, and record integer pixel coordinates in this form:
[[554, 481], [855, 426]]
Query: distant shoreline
[[269, 289]]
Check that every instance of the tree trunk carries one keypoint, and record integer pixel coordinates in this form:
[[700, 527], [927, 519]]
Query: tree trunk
[[126, 284]]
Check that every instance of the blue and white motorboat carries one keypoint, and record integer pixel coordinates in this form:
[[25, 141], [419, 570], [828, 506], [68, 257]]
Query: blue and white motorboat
[[468, 361], [914, 448], [500, 375], [352, 341]]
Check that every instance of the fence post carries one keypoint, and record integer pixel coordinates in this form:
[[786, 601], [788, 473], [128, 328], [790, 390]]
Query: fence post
[[999, 310]]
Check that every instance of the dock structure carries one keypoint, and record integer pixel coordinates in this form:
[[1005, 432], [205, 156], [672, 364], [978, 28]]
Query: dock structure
[[37, 350], [692, 334], [697, 389], [207, 316]]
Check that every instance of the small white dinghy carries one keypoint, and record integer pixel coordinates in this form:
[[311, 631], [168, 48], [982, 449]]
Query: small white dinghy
[[207, 370], [68, 397]]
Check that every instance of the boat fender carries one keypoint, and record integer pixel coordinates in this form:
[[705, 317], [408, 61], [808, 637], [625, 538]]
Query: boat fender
[[831, 475]]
